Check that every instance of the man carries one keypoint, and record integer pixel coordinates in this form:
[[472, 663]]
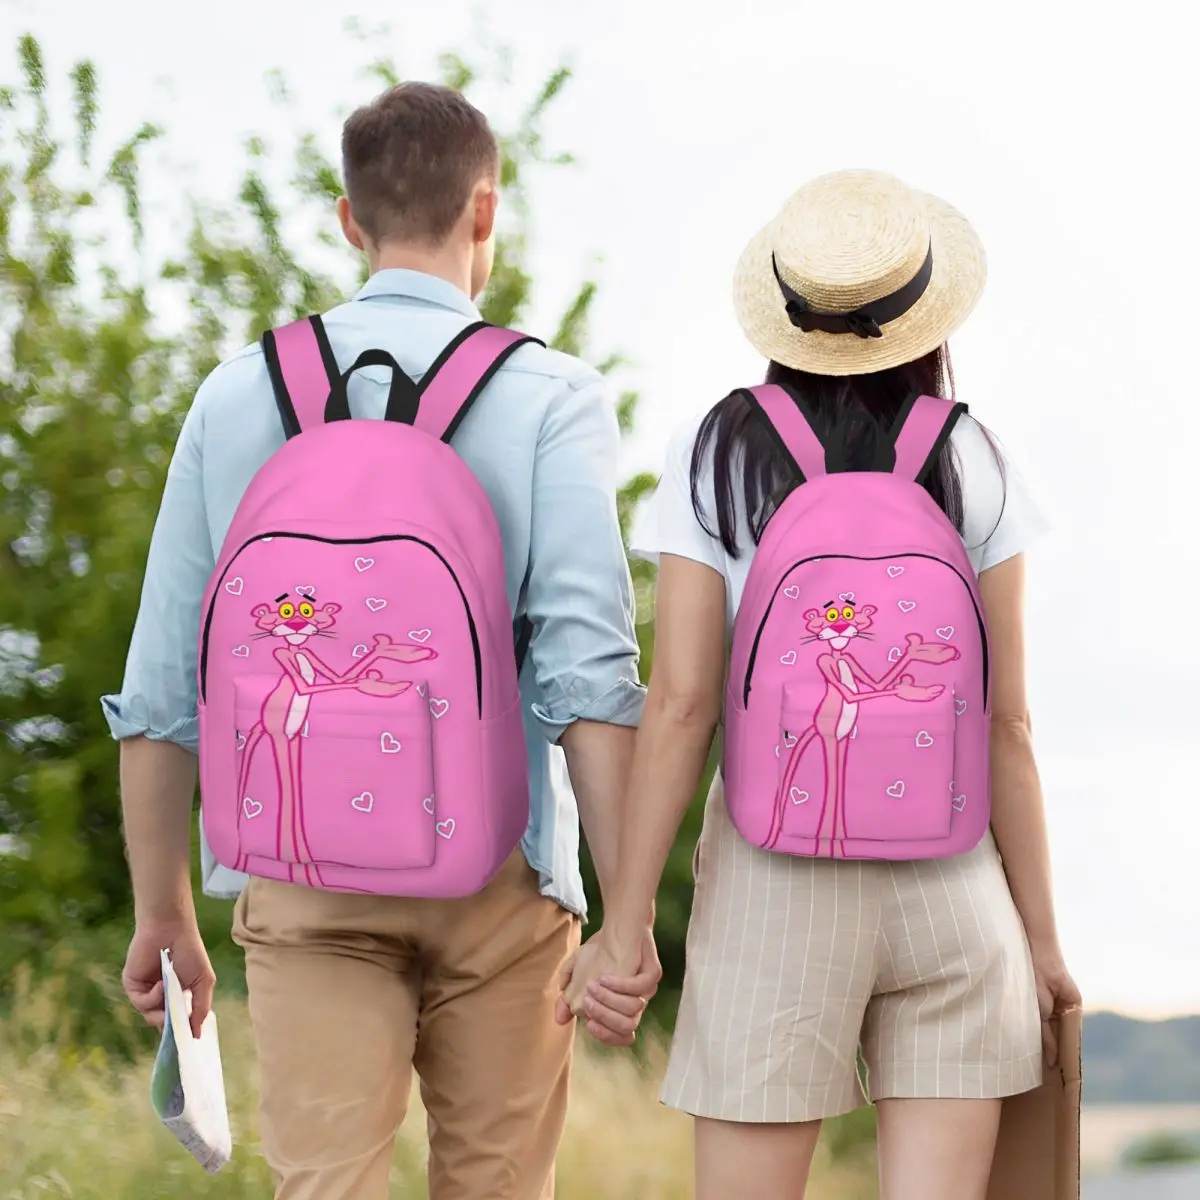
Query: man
[[348, 992]]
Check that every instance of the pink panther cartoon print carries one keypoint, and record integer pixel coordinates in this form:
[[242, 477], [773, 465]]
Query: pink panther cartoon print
[[295, 622], [847, 685]]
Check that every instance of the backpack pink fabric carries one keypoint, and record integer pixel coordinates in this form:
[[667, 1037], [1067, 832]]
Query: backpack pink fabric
[[360, 718], [857, 710]]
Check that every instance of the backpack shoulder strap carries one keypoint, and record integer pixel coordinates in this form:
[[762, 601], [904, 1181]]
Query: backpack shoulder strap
[[788, 422], [456, 380], [922, 428], [303, 370]]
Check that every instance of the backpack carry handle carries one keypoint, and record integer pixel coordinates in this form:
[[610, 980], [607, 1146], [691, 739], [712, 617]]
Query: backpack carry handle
[[922, 428], [791, 427], [403, 395]]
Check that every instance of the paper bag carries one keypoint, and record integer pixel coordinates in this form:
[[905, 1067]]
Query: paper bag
[[1037, 1153]]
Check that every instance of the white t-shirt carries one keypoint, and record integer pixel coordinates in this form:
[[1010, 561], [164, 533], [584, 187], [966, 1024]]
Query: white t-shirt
[[1000, 518]]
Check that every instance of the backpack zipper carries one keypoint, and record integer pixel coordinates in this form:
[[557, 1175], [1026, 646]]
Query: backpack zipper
[[864, 558], [311, 537]]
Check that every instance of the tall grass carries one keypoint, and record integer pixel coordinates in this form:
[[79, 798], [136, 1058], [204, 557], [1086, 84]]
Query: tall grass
[[77, 1123]]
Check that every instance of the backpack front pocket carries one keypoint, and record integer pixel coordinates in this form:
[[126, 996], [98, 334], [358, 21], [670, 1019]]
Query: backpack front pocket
[[343, 778], [876, 769], [899, 770]]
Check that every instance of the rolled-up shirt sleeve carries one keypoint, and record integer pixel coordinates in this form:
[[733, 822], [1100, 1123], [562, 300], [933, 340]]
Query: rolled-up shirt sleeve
[[158, 694], [579, 595]]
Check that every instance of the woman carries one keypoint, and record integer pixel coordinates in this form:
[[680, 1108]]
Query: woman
[[934, 969]]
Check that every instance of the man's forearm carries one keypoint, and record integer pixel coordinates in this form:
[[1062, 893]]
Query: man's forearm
[[598, 760], [158, 781]]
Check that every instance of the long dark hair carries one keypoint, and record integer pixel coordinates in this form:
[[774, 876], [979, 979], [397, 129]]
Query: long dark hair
[[853, 412]]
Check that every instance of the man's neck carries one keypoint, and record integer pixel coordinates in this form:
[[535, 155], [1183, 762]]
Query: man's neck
[[446, 263]]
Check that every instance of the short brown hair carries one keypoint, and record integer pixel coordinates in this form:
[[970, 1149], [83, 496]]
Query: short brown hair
[[410, 159]]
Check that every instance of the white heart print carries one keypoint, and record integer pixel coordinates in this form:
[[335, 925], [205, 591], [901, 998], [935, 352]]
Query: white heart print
[[446, 828], [306, 589], [846, 597], [375, 603], [895, 654], [419, 635], [234, 586], [241, 652], [788, 659], [363, 802], [241, 741], [960, 707], [789, 739], [358, 651], [388, 744], [924, 738], [797, 796], [897, 789], [906, 605], [427, 804], [421, 690], [791, 592], [251, 808], [439, 708], [363, 564], [946, 632], [958, 803], [894, 572]]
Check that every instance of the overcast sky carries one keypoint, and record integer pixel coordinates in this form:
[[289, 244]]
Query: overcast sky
[[1064, 135]]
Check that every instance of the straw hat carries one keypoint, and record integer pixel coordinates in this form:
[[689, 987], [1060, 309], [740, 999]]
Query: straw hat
[[857, 273]]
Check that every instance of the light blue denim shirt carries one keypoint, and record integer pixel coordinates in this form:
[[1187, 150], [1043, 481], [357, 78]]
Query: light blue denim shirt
[[544, 443]]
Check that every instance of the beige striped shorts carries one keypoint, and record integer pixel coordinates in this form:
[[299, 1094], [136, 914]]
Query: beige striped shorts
[[801, 971]]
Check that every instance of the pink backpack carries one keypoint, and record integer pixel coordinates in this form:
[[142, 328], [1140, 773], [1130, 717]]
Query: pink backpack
[[360, 718], [856, 716]]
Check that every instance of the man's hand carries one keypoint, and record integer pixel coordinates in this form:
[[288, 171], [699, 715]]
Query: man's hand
[[609, 989], [142, 977]]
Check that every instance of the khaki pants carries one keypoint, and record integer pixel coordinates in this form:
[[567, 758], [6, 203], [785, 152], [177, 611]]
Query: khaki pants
[[348, 993]]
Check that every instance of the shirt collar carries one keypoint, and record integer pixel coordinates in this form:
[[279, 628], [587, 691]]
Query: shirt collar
[[416, 285]]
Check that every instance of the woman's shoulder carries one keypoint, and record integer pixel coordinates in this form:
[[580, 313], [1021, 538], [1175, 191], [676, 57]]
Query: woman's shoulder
[[1001, 518], [667, 522]]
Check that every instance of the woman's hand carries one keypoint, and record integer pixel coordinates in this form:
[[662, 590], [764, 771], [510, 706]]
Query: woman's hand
[[1056, 993], [610, 987]]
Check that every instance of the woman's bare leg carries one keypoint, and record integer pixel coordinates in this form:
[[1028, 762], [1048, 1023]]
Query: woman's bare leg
[[753, 1161], [936, 1149]]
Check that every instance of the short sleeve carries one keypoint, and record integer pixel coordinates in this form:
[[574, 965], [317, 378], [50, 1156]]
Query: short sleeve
[[666, 522], [1000, 516]]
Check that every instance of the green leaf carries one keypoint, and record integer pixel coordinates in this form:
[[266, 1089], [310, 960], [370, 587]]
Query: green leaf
[[86, 106]]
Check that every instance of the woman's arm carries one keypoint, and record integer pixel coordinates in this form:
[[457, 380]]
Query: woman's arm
[[683, 708], [1018, 816]]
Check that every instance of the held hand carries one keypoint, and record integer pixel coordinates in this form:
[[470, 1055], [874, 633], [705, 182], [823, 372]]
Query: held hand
[[142, 977], [609, 989], [1056, 993], [928, 652]]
